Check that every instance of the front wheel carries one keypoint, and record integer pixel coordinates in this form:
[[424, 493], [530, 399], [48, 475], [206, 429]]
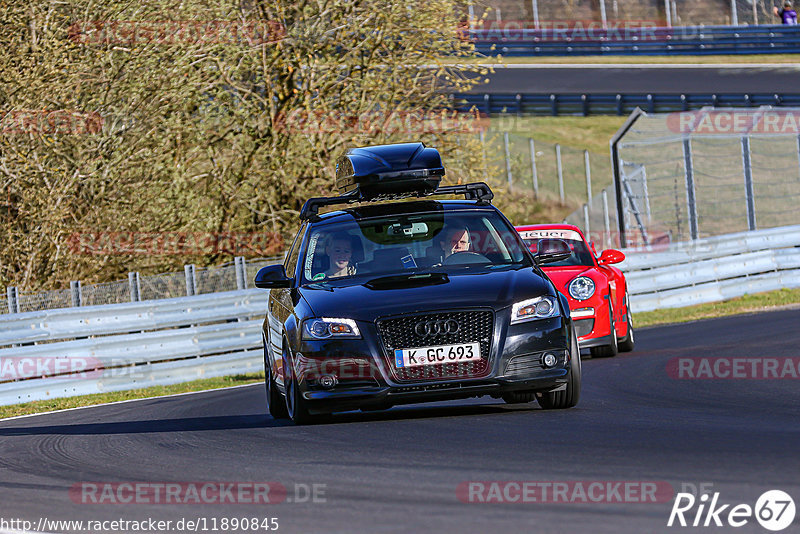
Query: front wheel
[[571, 394], [626, 344], [295, 403], [276, 406]]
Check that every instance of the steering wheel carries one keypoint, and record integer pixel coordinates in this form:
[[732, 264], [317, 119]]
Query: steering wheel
[[465, 257]]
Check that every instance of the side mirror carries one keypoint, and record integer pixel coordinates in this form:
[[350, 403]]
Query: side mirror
[[551, 251], [610, 256], [272, 276]]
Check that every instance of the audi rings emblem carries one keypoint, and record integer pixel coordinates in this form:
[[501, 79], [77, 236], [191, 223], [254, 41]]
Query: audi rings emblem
[[436, 328]]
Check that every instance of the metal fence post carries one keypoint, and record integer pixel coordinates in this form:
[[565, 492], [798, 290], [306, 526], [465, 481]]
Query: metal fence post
[[688, 170], [588, 176], [534, 175], [560, 173], [535, 8], [240, 267], [606, 220], [734, 14], [134, 287], [76, 293], [191, 281], [586, 229], [603, 17], [508, 160], [748, 184], [13, 303], [668, 11]]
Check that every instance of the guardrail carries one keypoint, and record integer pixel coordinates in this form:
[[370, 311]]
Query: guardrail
[[689, 40], [613, 104], [713, 269], [94, 349]]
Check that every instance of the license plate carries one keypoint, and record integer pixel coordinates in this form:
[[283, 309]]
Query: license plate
[[464, 352]]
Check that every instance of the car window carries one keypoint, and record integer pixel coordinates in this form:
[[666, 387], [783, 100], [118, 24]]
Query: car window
[[409, 243], [290, 264], [580, 254]]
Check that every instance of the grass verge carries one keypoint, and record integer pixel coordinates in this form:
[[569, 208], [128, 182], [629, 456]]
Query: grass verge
[[747, 304], [756, 302], [51, 405]]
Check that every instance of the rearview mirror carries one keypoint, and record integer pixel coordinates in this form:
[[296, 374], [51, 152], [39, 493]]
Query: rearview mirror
[[272, 276], [551, 251], [610, 256]]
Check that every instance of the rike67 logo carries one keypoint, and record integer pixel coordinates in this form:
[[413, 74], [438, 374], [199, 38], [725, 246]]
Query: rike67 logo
[[774, 510]]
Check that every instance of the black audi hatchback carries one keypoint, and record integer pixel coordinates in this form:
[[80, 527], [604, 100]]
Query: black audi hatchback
[[387, 303]]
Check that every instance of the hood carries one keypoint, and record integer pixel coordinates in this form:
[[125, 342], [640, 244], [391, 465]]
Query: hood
[[366, 300], [561, 276]]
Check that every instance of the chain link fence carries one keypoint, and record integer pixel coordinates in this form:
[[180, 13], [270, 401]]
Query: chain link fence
[[690, 175], [663, 12], [193, 281]]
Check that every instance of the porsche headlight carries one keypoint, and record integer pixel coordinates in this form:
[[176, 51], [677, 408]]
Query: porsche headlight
[[531, 309], [326, 327], [581, 288]]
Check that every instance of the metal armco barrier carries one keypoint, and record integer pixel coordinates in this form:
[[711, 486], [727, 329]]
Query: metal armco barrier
[[612, 104], [713, 269], [125, 346], [689, 40]]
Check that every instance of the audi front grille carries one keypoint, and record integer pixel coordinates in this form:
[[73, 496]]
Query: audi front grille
[[434, 329]]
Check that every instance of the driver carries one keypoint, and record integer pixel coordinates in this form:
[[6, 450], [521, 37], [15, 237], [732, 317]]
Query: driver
[[456, 240]]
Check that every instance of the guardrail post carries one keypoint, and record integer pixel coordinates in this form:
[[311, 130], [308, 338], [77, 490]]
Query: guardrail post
[[588, 168], [519, 105], [620, 105], [241, 272], [585, 105], [606, 220], [134, 287], [560, 173], [748, 184], [508, 160], [13, 303], [534, 176], [487, 103], [688, 170], [553, 105], [191, 281], [76, 293]]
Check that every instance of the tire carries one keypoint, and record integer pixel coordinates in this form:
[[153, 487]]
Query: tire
[[626, 344], [276, 406], [519, 397], [608, 351], [569, 396], [296, 408]]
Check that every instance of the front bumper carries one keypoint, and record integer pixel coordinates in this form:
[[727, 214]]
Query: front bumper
[[363, 378]]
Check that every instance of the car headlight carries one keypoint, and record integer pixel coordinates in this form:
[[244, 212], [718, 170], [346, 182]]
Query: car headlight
[[581, 288], [531, 309], [325, 327]]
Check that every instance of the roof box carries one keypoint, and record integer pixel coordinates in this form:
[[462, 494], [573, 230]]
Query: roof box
[[385, 171]]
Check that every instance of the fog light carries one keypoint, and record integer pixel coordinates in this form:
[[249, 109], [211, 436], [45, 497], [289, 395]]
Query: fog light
[[327, 381], [549, 360]]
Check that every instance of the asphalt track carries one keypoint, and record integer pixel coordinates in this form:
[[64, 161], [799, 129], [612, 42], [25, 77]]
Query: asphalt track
[[398, 471], [658, 79]]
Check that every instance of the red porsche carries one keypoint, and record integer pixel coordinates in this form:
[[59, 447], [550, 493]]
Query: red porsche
[[596, 291]]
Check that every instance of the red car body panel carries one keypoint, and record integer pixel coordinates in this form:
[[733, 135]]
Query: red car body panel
[[610, 287]]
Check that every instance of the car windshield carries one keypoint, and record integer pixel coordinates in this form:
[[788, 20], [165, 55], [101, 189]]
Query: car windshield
[[580, 253], [409, 244]]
